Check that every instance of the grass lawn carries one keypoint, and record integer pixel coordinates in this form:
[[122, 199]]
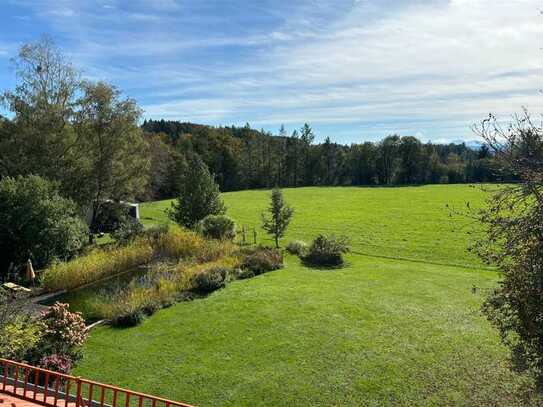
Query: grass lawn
[[380, 332], [403, 222]]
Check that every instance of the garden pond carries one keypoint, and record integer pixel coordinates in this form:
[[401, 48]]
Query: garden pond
[[83, 299]]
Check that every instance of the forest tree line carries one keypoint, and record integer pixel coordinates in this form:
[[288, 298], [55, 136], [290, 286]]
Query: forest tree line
[[91, 141], [245, 158]]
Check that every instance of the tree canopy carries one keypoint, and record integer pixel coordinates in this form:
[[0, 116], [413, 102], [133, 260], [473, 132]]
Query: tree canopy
[[199, 195], [37, 223], [245, 158]]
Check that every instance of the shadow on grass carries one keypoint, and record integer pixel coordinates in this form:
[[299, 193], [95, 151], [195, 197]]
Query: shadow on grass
[[324, 267]]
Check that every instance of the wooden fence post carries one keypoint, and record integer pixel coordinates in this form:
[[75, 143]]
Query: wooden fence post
[[78, 395]]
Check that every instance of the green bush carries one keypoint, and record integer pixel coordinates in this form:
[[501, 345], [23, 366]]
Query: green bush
[[297, 247], [127, 230], [19, 338], [109, 217], [37, 223], [327, 251], [243, 274], [128, 318], [219, 227], [262, 259], [210, 280]]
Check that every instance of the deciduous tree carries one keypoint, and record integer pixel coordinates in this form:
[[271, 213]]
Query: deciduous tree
[[116, 162], [514, 240]]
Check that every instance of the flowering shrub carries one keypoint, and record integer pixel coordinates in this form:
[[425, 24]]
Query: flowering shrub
[[64, 331], [57, 363]]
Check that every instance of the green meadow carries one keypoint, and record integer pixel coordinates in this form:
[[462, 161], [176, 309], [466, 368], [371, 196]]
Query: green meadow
[[400, 325], [426, 223]]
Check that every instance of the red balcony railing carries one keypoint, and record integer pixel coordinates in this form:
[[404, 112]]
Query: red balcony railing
[[53, 389]]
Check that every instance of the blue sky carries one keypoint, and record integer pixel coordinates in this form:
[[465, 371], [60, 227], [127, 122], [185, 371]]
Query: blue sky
[[355, 70]]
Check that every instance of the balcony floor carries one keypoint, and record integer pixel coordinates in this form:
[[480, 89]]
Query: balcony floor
[[7, 400]]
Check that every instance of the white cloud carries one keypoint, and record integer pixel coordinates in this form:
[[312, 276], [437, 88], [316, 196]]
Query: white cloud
[[446, 63], [423, 67]]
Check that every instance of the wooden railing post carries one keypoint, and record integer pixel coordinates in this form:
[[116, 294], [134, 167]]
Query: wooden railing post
[[78, 395]]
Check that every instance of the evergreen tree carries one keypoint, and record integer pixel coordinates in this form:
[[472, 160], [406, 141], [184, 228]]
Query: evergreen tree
[[199, 195], [307, 137], [280, 215]]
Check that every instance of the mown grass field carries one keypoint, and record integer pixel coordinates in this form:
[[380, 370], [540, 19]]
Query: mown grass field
[[382, 331], [417, 223]]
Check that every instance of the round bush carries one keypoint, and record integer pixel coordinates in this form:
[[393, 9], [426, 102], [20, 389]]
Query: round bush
[[219, 227], [127, 230], [65, 332], [243, 274], [150, 308], [128, 318], [297, 247], [263, 259], [211, 280], [327, 251], [57, 363]]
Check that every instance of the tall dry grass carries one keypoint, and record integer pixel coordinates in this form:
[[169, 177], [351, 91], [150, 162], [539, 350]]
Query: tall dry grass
[[173, 243], [98, 264], [175, 256], [178, 243]]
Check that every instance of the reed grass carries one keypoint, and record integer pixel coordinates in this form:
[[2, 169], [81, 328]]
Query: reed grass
[[173, 243], [162, 286], [98, 264]]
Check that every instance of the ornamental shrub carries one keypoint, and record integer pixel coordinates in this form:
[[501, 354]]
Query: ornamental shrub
[[127, 230], [19, 338], [57, 363], [297, 247], [327, 251], [128, 318], [219, 227], [64, 331], [262, 259], [210, 280]]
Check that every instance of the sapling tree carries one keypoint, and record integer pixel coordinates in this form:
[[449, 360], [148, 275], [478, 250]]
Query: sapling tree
[[199, 195], [280, 215]]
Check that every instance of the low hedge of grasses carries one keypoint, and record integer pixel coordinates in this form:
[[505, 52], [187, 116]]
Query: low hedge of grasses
[[173, 243], [98, 264]]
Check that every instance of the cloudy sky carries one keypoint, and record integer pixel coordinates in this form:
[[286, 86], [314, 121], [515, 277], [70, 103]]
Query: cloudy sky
[[354, 69]]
